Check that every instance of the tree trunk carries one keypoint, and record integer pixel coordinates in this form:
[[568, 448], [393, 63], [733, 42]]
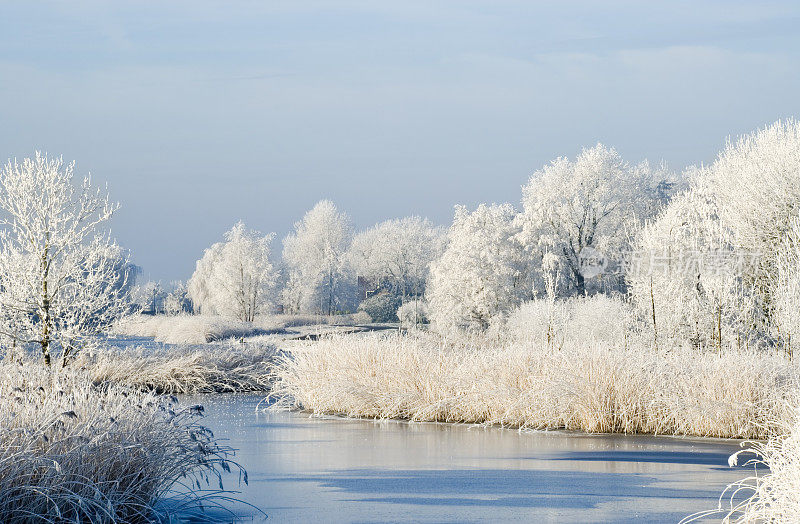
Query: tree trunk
[[46, 327], [45, 309], [330, 293], [653, 306], [580, 283]]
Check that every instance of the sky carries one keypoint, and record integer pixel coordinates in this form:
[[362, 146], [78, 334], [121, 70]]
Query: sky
[[198, 114]]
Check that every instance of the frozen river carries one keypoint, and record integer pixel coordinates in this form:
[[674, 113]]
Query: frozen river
[[304, 469]]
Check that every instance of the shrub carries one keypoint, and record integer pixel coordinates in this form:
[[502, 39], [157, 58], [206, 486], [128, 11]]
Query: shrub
[[381, 308], [413, 312], [582, 319]]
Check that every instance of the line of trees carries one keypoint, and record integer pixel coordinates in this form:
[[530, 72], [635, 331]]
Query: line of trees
[[320, 267], [710, 256], [490, 260]]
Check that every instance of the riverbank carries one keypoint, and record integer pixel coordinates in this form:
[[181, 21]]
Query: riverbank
[[592, 386], [187, 329], [173, 369]]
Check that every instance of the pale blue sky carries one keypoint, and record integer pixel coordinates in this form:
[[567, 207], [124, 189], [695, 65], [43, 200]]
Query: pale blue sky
[[201, 113]]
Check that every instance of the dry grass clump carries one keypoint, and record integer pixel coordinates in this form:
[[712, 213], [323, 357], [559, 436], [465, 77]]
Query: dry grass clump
[[594, 386], [74, 452], [284, 321], [220, 367]]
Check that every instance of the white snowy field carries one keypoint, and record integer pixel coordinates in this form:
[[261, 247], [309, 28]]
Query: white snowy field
[[201, 329]]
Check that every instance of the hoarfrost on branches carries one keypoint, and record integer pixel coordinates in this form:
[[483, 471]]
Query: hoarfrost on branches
[[235, 278], [756, 182], [481, 273], [686, 275], [585, 208], [396, 254], [315, 254], [62, 279], [722, 257], [148, 297], [177, 300]]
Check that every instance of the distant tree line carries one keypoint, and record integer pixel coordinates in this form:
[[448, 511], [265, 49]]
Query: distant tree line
[[709, 257]]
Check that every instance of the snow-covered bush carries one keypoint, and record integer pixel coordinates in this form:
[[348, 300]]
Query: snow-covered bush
[[177, 300], [481, 273], [315, 255], [413, 313], [599, 318], [540, 319], [381, 308], [395, 255], [235, 278]]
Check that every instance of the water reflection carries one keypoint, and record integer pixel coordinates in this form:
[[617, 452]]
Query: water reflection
[[305, 469]]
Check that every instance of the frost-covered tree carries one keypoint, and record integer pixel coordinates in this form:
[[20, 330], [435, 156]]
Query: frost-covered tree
[[62, 279], [396, 254], [413, 313], [235, 277], [148, 297], [315, 255], [786, 295], [741, 211], [199, 286], [481, 273], [686, 274], [177, 300], [580, 210], [756, 183]]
